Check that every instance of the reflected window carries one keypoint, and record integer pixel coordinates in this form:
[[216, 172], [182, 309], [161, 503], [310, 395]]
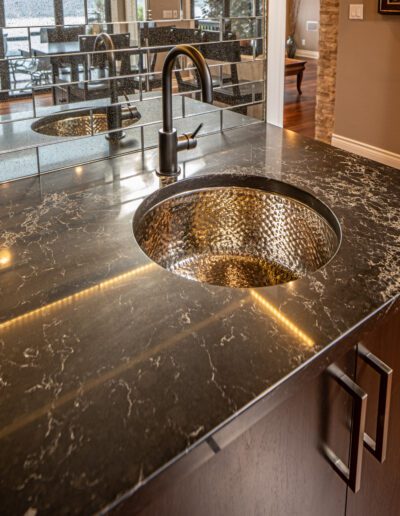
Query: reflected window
[[74, 12], [29, 13], [233, 8], [208, 8], [141, 9], [241, 8], [96, 11]]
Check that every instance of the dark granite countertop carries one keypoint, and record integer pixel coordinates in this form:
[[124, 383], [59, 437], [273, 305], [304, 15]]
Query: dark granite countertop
[[111, 368]]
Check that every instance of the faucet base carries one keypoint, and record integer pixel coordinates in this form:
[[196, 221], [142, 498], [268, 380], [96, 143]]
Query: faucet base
[[164, 175], [168, 153]]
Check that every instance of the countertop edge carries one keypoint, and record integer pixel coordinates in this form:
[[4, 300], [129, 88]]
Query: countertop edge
[[224, 434]]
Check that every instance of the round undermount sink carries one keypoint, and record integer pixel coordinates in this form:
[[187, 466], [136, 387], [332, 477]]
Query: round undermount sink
[[83, 123], [236, 231]]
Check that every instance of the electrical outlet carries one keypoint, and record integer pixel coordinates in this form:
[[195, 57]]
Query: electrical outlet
[[312, 26], [356, 12], [303, 42]]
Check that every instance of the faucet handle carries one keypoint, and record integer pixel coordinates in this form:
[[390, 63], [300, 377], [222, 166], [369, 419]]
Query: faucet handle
[[188, 141], [196, 132]]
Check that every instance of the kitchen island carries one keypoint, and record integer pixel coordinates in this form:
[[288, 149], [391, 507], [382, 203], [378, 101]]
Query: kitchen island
[[118, 379]]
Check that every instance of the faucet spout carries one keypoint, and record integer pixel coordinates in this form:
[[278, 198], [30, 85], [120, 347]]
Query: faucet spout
[[169, 142]]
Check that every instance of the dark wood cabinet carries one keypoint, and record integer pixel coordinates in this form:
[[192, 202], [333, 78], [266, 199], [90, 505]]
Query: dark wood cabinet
[[282, 465], [277, 467], [380, 482]]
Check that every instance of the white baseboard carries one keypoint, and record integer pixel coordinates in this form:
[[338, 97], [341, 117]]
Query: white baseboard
[[367, 151], [309, 54]]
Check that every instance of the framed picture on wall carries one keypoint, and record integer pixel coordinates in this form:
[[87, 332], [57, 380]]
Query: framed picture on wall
[[389, 6]]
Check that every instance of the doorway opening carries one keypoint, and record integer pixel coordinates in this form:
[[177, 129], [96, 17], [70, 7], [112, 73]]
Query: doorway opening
[[301, 65]]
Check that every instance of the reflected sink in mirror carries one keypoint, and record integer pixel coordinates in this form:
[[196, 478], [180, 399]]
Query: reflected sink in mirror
[[83, 123], [236, 231]]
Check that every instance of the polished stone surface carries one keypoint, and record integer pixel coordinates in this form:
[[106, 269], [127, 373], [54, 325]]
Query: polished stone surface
[[111, 367]]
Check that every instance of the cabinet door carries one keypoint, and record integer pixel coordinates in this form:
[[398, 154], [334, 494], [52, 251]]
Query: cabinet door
[[380, 482], [278, 467]]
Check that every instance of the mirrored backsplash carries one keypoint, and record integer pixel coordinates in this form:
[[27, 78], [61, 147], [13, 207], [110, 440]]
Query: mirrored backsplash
[[58, 79]]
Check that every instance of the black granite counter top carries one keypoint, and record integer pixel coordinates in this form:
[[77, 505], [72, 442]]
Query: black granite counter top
[[111, 368]]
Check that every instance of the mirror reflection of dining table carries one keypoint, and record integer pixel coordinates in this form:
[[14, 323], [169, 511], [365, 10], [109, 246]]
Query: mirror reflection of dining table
[[69, 52]]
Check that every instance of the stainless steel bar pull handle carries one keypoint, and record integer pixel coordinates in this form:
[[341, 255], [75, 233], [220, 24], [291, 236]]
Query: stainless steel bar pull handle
[[351, 474], [378, 447]]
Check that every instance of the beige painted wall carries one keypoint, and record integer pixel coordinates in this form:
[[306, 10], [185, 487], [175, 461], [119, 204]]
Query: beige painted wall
[[158, 6], [368, 78], [309, 11]]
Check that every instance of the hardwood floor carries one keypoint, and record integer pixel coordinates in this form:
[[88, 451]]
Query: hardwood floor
[[299, 110], [24, 104]]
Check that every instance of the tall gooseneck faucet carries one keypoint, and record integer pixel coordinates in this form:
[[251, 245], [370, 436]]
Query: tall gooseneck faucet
[[169, 142]]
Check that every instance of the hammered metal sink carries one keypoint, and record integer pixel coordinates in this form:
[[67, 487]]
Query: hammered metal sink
[[83, 123], [236, 231]]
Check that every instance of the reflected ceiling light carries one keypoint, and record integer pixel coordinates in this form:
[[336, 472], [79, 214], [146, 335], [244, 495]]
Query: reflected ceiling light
[[100, 287], [5, 258], [79, 170], [282, 319]]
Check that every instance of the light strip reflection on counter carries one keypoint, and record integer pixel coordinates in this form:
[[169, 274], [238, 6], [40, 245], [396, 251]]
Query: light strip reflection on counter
[[93, 383], [78, 295], [5, 258], [282, 319]]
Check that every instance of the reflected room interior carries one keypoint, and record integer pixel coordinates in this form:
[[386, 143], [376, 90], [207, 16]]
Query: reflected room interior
[[49, 65]]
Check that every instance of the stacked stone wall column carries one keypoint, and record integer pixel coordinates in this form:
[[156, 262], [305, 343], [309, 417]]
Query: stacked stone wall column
[[326, 85]]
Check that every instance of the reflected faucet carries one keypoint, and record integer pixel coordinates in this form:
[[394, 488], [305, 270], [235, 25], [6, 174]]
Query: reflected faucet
[[169, 142], [115, 116]]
